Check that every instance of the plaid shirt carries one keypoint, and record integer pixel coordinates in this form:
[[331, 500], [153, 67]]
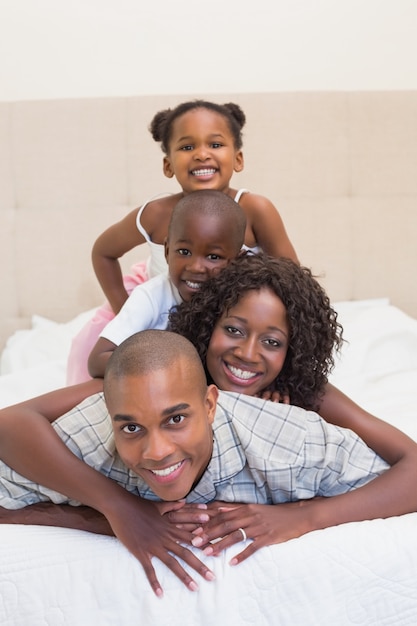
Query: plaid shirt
[[263, 452]]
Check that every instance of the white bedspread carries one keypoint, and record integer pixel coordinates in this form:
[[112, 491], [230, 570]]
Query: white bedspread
[[363, 573]]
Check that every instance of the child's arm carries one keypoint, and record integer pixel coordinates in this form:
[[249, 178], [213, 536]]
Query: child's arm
[[31, 446], [99, 356], [267, 226], [139, 312], [112, 244]]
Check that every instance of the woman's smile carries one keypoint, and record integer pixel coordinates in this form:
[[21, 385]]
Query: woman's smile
[[249, 343]]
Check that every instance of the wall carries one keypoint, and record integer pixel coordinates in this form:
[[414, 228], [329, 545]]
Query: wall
[[328, 50], [340, 167], [94, 48]]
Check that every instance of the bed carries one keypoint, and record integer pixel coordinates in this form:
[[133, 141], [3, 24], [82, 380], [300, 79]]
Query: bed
[[358, 573], [341, 169]]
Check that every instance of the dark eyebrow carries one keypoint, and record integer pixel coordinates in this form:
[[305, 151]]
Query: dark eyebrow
[[190, 138], [183, 241], [177, 408], [185, 138], [119, 417], [214, 135], [245, 321]]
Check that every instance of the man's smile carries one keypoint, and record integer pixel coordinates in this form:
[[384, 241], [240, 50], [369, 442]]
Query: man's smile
[[167, 473]]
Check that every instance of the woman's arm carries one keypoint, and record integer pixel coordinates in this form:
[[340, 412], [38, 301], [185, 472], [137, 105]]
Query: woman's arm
[[112, 244], [61, 515], [390, 443], [393, 493], [31, 446]]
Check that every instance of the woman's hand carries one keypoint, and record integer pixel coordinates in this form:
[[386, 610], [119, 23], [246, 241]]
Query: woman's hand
[[274, 396], [263, 524], [185, 516]]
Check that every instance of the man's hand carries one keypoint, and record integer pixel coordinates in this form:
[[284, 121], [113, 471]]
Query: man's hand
[[139, 524], [146, 533]]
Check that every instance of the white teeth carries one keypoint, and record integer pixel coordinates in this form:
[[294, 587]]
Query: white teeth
[[167, 471], [243, 374], [192, 285], [204, 172]]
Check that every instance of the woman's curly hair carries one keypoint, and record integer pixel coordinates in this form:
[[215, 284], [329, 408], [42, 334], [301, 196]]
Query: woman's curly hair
[[314, 333]]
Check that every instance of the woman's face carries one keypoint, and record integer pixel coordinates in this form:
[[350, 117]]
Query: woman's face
[[249, 343]]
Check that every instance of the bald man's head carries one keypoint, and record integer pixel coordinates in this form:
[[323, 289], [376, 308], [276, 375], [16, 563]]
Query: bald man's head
[[152, 350]]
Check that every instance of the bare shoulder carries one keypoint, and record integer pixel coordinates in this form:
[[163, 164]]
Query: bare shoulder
[[255, 203], [265, 227], [156, 215], [259, 211], [159, 206]]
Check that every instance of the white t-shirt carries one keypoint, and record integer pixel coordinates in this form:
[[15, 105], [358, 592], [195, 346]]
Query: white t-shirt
[[147, 307]]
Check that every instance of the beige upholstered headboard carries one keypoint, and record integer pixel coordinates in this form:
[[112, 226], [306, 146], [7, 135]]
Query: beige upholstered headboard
[[341, 168]]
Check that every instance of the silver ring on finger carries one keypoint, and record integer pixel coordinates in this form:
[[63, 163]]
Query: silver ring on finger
[[244, 537]]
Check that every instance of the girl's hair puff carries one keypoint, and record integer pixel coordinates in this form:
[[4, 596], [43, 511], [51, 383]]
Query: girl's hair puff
[[314, 333], [162, 123]]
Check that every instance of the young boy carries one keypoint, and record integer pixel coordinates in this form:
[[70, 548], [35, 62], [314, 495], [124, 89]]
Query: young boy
[[206, 231], [161, 433]]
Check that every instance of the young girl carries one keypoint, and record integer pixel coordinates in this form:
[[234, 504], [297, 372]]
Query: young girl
[[266, 323], [202, 145]]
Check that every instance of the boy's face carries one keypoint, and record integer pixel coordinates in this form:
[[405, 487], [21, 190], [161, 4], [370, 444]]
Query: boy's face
[[197, 249], [162, 427]]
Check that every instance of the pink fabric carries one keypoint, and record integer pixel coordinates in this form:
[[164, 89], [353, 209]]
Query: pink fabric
[[85, 340]]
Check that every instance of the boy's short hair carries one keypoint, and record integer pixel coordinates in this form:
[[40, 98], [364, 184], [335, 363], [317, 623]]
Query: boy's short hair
[[213, 203]]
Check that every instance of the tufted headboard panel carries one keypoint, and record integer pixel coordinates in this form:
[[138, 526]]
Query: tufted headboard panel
[[341, 168]]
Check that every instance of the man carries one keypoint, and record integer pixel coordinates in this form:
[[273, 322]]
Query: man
[[162, 434]]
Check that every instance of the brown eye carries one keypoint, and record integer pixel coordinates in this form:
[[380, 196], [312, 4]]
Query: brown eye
[[176, 419], [131, 428]]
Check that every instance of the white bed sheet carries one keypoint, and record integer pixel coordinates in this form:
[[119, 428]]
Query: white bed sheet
[[363, 573]]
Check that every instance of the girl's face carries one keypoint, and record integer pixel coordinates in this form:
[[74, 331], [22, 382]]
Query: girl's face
[[202, 154], [249, 343]]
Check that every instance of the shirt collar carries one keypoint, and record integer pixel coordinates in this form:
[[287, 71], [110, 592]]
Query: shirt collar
[[228, 459], [175, 292]]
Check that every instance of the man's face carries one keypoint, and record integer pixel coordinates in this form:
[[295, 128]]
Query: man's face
[[162, 427]]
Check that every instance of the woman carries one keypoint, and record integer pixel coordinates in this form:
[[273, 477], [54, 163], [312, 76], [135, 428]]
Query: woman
[[265, 326]]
